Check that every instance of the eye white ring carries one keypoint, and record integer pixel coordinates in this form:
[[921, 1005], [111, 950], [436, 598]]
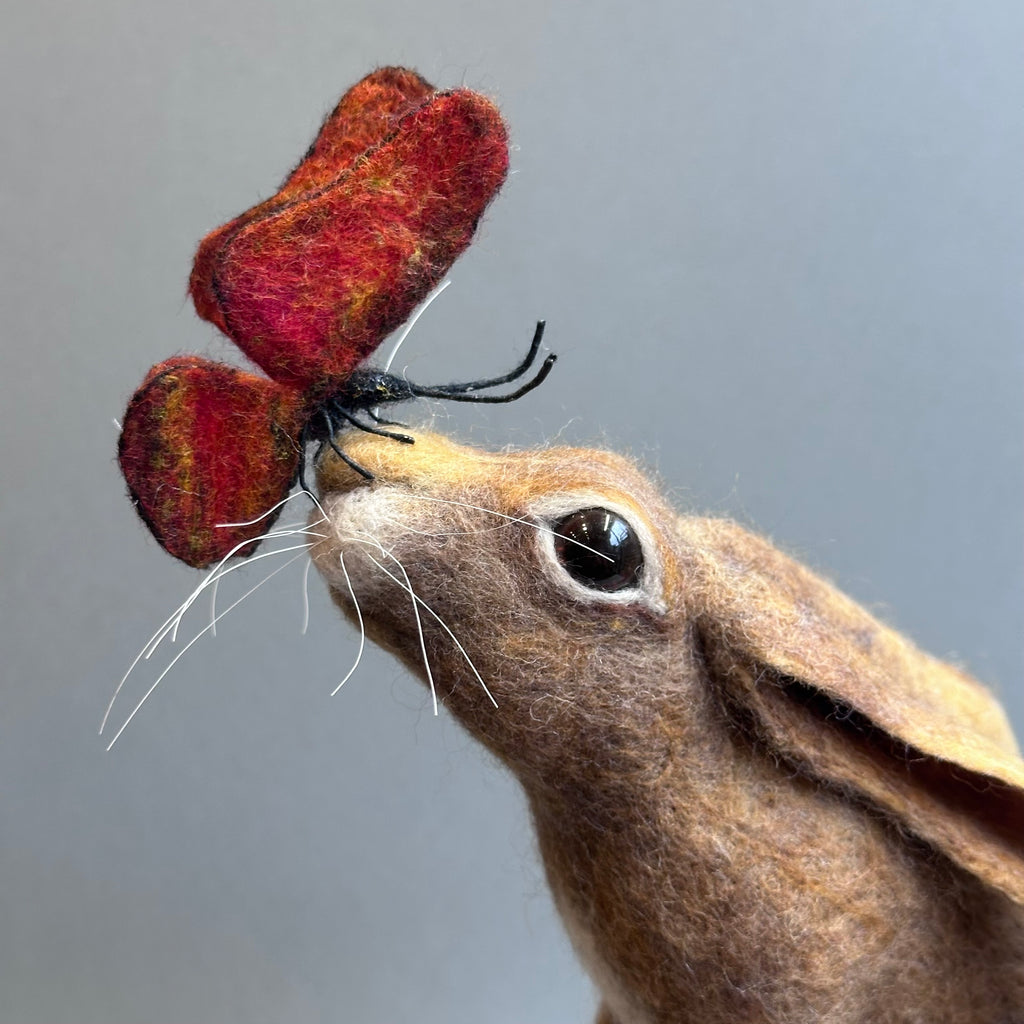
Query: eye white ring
[[649, 592]]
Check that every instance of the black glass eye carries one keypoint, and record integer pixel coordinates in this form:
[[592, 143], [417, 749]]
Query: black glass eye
[[599, 549]]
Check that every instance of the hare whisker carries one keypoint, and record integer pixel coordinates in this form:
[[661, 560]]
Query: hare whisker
[[219, 572], [444, 625], [419, 630], [362, 628], [175, 619], [273, 508], [445, 533], [172, 622], [424, 306], [299, 526], [419, 624], [512, 519], [184, 650], [305, 597], [213, 606]]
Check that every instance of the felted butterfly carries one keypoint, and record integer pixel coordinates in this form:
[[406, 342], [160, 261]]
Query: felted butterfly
[[307, 284]]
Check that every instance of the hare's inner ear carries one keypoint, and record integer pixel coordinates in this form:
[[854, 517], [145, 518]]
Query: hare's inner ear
[[853, 704]]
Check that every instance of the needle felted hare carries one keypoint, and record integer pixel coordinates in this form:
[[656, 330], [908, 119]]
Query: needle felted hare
[[753, 801]]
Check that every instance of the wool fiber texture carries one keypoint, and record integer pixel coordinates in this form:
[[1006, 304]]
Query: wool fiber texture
[[307, 284], [754, 801], [190, 470]]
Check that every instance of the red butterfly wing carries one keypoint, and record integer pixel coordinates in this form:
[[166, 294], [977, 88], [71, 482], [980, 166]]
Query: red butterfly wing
[[364, 117], [307, 284], [204, 443], [308, 290]]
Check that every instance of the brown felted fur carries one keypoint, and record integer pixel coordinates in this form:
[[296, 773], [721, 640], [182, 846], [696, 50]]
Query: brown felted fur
[[754, 802]]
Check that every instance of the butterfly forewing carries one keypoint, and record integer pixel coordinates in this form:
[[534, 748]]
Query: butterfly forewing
[[365, 116], [310, 290]]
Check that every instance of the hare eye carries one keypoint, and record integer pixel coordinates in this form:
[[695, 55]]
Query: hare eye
[[599, 549]]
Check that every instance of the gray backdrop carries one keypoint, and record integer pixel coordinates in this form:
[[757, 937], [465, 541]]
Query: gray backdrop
[[779, 247]]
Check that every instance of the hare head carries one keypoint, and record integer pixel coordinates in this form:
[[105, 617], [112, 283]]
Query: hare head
[[753, 800]]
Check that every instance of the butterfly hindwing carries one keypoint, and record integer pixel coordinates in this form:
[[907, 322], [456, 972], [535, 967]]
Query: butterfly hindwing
[[204, 444]]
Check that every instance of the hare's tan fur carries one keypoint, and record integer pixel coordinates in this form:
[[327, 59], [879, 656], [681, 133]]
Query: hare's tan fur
[[754, 802]]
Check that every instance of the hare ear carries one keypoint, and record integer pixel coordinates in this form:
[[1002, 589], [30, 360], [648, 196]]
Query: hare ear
[[855, 705]]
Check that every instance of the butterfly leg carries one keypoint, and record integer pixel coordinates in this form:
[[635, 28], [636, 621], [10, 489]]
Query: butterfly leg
[[308, 434], [383, 422], [349, 461], [346, 415]]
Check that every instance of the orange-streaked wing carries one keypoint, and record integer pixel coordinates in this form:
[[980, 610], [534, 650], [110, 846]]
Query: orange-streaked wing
[[362, 119], [204, 443]]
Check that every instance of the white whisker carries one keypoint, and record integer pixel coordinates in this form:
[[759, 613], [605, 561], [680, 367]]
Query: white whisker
[[412, 323], [444, 533], [213, 606], [185, 649], [212, 579], [362, 628], [171, 623], [219, 571], [305, 597], [297, 524], [512, 519], [324, 517], [419, 623], [373, 540], [443, 624], [270, 511]]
